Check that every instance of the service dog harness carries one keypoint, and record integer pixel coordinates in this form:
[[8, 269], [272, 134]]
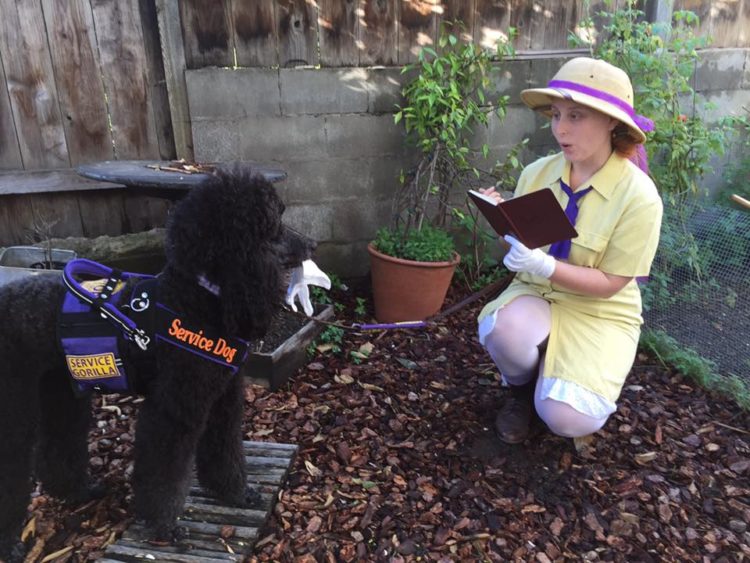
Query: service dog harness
[[93, 330]]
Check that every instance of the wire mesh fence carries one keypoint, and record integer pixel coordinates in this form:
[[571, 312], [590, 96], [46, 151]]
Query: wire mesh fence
[[699, 288]]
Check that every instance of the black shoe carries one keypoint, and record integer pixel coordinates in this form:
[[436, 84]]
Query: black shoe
[[513, 422]]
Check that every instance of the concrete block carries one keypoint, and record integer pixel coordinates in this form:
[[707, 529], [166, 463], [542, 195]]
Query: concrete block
[[746, 71], [519, 122], [314, 221], [359, 219], [509, 79], [283, 138], [330, 180], [728, 102], [720, 69], [225, 93], [384, 88], [346, 260], [323, 91], [216, 140], [363, 135]]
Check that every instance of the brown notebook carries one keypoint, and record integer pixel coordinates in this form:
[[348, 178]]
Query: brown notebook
[[536, 219]]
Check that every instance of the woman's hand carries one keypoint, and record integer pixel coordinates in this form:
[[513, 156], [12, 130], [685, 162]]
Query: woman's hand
[[493, 193]]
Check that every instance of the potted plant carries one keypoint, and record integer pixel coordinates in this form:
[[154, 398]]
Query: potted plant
[[413, 260]]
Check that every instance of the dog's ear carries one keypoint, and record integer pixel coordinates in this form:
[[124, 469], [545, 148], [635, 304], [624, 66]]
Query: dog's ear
[[250, 282]]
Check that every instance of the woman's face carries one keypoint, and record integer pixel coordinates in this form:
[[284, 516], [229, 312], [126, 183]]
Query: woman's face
[[584, 134]]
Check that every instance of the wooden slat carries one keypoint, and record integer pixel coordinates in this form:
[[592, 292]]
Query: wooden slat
[[416, 28], [56, 216], [545, 25], [10, 152], [15, 217], [378, 32], [31, 85], [206, 33], [124, 72], [255, 32], [207, 519], [462, 11], [173, 57], [492, 19], [297, 32], [70, 29], [156, 80], [338, 23], [102, 213]]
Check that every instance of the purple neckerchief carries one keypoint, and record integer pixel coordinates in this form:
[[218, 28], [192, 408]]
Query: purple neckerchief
[[561, 249], [641, 121]]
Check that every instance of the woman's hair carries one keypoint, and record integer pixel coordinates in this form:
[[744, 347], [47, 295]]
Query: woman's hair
[[623, 142]]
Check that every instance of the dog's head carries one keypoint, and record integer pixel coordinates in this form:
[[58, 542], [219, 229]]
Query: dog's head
[[229, 233]]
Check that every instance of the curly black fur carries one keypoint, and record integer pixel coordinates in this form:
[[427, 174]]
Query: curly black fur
[[228, 231]]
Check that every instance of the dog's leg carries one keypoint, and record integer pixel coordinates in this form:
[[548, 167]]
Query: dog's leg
[[62, 456], [220, 458], [18, 422], [164, 455]]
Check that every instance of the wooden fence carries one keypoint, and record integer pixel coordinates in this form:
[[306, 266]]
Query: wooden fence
[[88, 80]]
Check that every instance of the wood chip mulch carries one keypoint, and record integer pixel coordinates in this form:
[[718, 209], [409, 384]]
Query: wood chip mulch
[[398, 462]]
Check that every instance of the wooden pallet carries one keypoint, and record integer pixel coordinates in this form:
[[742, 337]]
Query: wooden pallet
[[267, 468]]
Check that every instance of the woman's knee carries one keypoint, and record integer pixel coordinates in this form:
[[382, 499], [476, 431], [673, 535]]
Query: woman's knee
[[564, 420]]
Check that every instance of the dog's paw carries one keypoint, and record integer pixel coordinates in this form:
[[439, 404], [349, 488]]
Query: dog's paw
[[252, 497], [167, 534]]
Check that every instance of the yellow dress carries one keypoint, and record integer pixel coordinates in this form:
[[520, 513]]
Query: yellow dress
[[593, 341]]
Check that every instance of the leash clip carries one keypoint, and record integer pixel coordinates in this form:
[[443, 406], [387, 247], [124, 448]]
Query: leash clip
[[142, 340]]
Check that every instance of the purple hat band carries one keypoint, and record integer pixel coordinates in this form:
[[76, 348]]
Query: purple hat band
[[644, 123]]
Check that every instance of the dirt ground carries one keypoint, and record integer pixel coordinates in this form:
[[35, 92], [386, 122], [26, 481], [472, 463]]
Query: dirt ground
[[398, 462]]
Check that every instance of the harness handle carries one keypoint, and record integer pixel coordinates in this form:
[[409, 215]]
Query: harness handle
[[84, 267]]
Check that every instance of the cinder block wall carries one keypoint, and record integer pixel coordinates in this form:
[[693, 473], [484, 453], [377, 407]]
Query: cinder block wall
[[332, 131]]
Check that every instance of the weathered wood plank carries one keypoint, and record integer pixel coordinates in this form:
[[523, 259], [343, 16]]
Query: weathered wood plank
[[255, 32], [416, 29], [491, 21], [208, 520], [173, 57], [31, 85], [126, 553], [16, 216], [338, 23], [545, 26], [144, 213], [124, 72], [461, 13], [70, 30], [102, 213], [156, 79], [378, 32], [298, 32], [56, 216], [10, 152], [206, 33]]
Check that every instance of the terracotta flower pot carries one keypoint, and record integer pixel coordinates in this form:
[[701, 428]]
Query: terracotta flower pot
[[405, 290]]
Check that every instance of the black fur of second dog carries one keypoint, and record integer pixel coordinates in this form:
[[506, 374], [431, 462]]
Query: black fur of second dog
[[229, 231]]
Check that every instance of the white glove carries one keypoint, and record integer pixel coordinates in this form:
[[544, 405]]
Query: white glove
[[302, 276], [521, 259]]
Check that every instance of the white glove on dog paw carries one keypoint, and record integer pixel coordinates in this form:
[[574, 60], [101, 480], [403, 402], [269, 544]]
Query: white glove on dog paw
[[303, 276], [522, 259]]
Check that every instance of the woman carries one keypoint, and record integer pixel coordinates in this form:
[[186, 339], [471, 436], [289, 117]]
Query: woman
[[564, 334]]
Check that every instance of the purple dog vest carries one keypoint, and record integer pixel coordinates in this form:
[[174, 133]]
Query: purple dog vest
[[93, 330]]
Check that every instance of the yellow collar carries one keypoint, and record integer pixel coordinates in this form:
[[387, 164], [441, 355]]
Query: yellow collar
[[604, 181]]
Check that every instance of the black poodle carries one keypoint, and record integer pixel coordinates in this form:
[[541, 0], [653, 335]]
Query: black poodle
[[226, 257]]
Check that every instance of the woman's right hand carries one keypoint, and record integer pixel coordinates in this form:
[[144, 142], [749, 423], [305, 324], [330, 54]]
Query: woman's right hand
[[493, 193]]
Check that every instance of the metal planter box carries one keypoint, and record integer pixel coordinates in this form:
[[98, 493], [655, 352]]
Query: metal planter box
[[18, 262]]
